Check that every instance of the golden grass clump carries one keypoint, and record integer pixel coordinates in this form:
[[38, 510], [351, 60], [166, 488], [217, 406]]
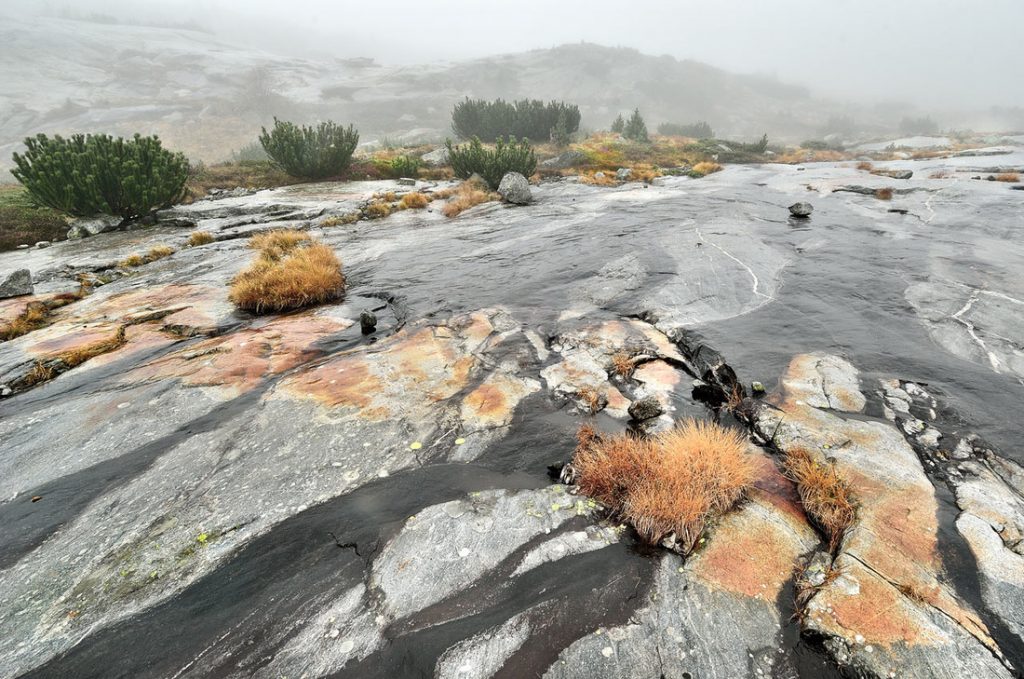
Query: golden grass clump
[[705, 168], [153, 254], [414, 201], [287, 276], [197, 238], [865, 166], [883, 194], [377, 210], [274, 245], [824, 494], [1009, 177], [466, 195], [671, 484]]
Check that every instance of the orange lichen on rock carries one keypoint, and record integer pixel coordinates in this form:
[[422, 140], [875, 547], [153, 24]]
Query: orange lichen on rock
[[241, 360], [875, 610], [409, 372]]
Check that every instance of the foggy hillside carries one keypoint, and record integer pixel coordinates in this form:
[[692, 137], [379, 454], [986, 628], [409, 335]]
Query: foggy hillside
[[208, 98]]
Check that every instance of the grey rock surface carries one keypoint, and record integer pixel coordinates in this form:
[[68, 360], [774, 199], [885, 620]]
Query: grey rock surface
[[83, 227]]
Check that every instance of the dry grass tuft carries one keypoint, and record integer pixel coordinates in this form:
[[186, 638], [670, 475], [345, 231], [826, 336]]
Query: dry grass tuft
[[1009, 177], [705, 168], [37, 314], [273, 245], [466, 195], [598, 178], [623, 363], [377, 210], [44, 371], [414, 201], [671, 484], [865, 166], [197, 238], [153, 254], [824, 494], [939, 174], [883, 194], [288, 277], [922, 594], [338, 220]]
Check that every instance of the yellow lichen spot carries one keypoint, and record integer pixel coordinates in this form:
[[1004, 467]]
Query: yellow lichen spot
[[459, 441], [415, 445]]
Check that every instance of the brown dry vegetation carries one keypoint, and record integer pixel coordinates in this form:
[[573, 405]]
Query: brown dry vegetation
[[414, 201], [247, 175], [153, 254], [883, 194], [197, 238], [37, 314], [466, 195], [673, 483], [623, 364], [377, 210], [1009, 177], [824, 494], [291, 272], [865, 166], [705, 168]]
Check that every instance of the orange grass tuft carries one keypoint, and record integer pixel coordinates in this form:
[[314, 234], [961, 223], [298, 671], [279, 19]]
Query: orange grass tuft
[[273, 245], [671, 484], [824, 494], [865, 166], [1008, 177], [466, 195], [197, 238], [623, 364], [414, 201], [705, 168], [300, 278], [883, 194]]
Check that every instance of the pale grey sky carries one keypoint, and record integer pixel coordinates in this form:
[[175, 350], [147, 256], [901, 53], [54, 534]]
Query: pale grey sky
[[948, 53]]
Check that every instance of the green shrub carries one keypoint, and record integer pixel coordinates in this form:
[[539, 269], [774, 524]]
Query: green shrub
[[560, 135], [618, 125], [310, 152], [699, 130], [636, 128], [401, 166], [250, 153], [87, 175], [473, 158], [525, 119]]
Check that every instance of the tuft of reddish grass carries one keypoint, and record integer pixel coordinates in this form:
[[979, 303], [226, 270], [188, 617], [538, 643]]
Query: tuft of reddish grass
[[293, 279], [824, 494], [883, 194], [865, 166], [704, 168], [671, 484], [466, 195], [44, 371], [197, 238], [1008, 177], [414, 201]]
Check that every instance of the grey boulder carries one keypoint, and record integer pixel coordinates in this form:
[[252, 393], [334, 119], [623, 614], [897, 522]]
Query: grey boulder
[[436, 157], [84, 227], [515, 189], [623, 174], [17, 284], [645, 409], [564, 160], [801, 210]]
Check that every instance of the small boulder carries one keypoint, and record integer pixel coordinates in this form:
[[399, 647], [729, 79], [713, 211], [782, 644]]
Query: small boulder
[[43, 244], [894, 174], [83, 227], [801, 210], [407, 181], [436, 158], [515, 189], [367, 322], [623, 174], [564, 160], [645, 409], [599, 175], [17, 284]]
